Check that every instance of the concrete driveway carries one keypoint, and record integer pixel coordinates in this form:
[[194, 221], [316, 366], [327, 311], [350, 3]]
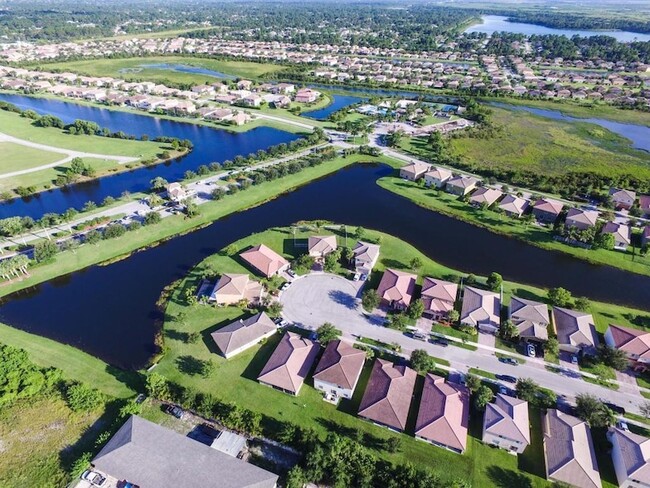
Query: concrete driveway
[[317, 298]]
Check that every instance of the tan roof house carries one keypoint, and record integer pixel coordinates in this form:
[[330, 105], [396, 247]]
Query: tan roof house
[[581, 219], [387, 398], [265, 260], [438, 297], [645, 236], [338, 370], [176, 192], [289, 364], [485, 196], [531, 318], [631, 456], [623, 199], [437, 177], [365, 257], [513, 205], [576, 331], [321, 246], [233, 288], [505, 424], [414, 171], [621, 233], [481, 308], [547, 210], [443, 416], [634, 342], [242, 334], [396, 288], [569, 450], [644, 204], [461, 185]]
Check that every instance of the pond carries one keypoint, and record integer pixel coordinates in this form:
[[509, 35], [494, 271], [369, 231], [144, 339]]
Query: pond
[[210, 144], [638, 134], [182, 68], [498, 23], [338, 102], [109, 311]]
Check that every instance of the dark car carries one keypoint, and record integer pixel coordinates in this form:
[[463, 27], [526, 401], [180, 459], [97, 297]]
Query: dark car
[[175, 411], [506, 378], [440, 342], [511, 361], [615, 408]]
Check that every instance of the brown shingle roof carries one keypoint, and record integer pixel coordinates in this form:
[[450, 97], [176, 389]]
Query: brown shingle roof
[[634, 451], [340, 365], [264, 259], [480, 307], [443, 416], [243, 332], [388, 395], [575, 328], [290, 363], [507, 417], [531, 318]]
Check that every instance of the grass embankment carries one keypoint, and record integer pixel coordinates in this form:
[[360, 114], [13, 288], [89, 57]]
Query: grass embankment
[[532, 143], [445, 203], [132, 69], [17, 157]]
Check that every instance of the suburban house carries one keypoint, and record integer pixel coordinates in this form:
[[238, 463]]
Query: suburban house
[[485, 196], [232, 288], [148, 455], [645, 236], [569, 450], [505, 424], [244, 85], [176, 192], [513, 205], [644, 205], [621, 233], [387, 398], [443, 415], [631, 456], [414, 171], [581, 219], [240, 118], [437, 177], [481, 308], [305, 95], [576, 331], [365, 257], [265, 260], [547, 210], [321, 246], [338, 370], [396, 289], [634, 342], [289, 364], [238, 336], [461, 185], [438, 297], [622, 199], [531, 318]]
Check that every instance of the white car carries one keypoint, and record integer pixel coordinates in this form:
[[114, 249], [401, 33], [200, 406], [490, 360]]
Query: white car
[[94, 478], [285, 285], [357, 276]]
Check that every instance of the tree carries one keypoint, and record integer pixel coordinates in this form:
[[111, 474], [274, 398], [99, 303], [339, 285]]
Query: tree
[[44, 251], [155, 200], [527, 390], [645, 409], [593, 411], [152, 218], [416, 309], [370, 300], [331, 260], [494, 281], [472, 382], [114, 230], [92, 237], [470, 279], [583, 303], [327, 333], [416, 263], [453, 316], [191, 208], [274, 309], [612, 357], [296, 478], [157, 386], [82, 398], [508, 330], [397, 321], [482, 397], [422, 362], [552, 346], [560, 297], [359, 232]]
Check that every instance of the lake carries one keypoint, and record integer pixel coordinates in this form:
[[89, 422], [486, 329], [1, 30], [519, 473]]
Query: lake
[[210, 144], [638, 134], [498, 23], [181, 68], [338, 102], [108, 311]]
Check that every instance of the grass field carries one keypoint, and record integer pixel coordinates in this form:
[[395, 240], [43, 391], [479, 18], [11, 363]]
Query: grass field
[[131, 69], [16, 157], [445, 203], [531, 143]]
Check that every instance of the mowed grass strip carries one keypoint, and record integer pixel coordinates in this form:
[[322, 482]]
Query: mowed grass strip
[[16, 157]]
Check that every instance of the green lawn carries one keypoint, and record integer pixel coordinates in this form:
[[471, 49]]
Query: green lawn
[[445, 203], [16, 157], [131, 69]]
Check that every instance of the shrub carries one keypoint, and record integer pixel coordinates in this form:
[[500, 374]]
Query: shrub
[[82, 398], [45, 250], [114, 230]]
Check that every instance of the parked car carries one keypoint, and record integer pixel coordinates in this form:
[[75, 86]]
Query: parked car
[[506, 378], [511, 361], [285, 285], [356, 277], [440, 342], [175, 411], [291, 273], [420, 336], [283, 323], [94, 478], [574, 359], [622, 424], [530, 350]]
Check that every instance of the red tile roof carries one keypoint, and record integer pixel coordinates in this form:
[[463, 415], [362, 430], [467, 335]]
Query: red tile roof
[[290, 363], [264, 259]]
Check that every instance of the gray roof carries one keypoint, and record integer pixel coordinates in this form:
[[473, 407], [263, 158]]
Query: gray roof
[[153, 456]]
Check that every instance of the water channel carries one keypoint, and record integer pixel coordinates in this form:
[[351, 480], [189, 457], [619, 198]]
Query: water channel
[[109, 311]]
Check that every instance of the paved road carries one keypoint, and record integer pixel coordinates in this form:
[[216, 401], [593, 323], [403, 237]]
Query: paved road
[[70, 155], [318, 298]]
